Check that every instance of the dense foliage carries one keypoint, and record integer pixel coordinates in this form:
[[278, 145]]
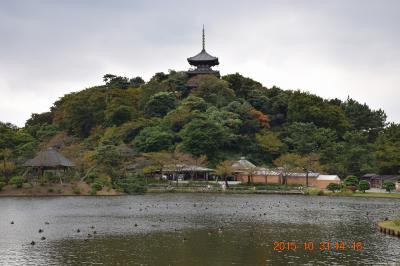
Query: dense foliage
[[104, 128]]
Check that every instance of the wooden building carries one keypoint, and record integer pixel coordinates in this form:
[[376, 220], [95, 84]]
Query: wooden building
[[187, 172], [245, 171], [323, 181], [203, 62], [377, 181], [48, 159]]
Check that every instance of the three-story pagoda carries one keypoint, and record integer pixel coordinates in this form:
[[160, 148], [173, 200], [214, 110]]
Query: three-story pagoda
[[203, 62]]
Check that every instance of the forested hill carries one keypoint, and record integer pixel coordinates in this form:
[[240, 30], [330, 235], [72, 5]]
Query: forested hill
[[221, 118]]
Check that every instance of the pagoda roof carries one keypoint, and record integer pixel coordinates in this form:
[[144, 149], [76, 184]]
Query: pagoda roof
[[203, 57]]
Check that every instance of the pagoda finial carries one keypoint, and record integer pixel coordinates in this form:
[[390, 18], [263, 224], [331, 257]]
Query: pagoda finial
[[204, 40]]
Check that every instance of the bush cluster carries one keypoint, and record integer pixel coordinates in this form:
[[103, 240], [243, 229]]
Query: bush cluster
[[17, 181]]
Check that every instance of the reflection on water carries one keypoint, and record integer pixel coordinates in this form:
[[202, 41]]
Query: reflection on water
[[193, 229]]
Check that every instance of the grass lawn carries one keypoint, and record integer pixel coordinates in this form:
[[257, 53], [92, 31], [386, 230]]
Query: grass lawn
[[355, 194], [377, 195], [390, 225]]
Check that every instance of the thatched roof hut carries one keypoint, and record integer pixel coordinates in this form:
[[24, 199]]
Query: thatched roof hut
[[49, 159], [243, 165]]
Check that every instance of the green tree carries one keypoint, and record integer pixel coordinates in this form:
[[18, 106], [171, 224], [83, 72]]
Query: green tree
[[387, 150], [310, 163], [251, 123], [108, 159], [213, 90], [17, 181], [7, 166], [304, 138], [363, 185], [203, 137], [160, 104], [80, 112], [136, 82], [188, 109], [389, 186], [151, 162], [361, 117], [333, 187], [357, 156], [288, 163], [308, 108], [116, 82], [118, 115], [269, 141], [152, 139], [133, 184], [351, 180], [39, 119], [242, 86], [224, 170]]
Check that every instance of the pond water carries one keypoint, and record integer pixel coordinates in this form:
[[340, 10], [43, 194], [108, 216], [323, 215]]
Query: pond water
[[196, 229]]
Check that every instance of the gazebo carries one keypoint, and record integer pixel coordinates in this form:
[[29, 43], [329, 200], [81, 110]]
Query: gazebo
[[48, 159]]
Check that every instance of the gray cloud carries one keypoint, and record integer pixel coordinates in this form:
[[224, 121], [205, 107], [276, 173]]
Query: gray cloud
[[330, 48]]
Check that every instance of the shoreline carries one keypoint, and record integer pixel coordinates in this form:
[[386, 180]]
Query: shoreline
[[83, 189], [389, 227], [23, 192]]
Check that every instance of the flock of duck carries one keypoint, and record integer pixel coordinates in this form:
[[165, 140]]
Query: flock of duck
[[40, 231], [257, 211]]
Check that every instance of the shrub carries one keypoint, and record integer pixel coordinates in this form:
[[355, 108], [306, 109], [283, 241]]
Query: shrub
[[2, 184], [105, 180], [314, 192], [333, 187], [345, 192], [91, 177], [27, 185], [76, 190], [50, 177], [389, 186], [133, 185], [363, 185], [351, 180], [18, 181], [96, 186], [397, 221], [50, 190]]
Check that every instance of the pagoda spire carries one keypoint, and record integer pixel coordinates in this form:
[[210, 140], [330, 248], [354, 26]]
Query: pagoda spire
[[204, 40], [203, 61]]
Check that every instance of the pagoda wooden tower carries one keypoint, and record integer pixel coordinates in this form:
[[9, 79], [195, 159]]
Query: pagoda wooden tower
[[203, 62]]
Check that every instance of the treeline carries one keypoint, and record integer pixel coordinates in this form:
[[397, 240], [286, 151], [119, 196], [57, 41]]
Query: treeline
[[106, 127]]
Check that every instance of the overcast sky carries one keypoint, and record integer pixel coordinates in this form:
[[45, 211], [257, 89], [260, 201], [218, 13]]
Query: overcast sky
[[330, 48]]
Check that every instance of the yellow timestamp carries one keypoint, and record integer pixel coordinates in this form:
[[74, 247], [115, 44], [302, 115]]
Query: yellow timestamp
[[322, 246]]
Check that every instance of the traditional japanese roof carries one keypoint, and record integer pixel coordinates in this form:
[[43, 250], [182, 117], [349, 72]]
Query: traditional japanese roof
[[385, 177], [380, 177], [276, 172], [369, 175], [328, 177], [187, 168], [49, 158], [203, 58], [312, 174], [243, 164], [267, 172]]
